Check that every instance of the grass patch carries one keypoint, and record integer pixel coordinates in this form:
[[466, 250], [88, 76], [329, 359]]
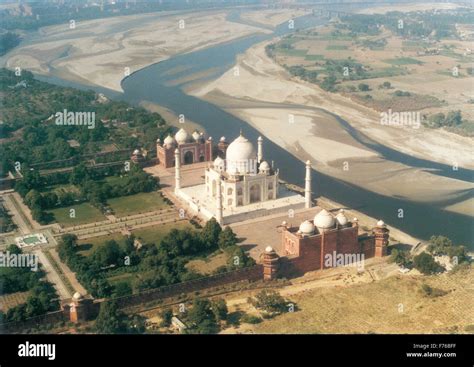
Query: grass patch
[[88, 245], [85, 213], [138, 203], [403, 61], [156, 233]]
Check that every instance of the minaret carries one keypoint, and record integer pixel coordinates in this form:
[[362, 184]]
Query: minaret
[[177, 170], [260, 149], [307, 187], [219, 215]]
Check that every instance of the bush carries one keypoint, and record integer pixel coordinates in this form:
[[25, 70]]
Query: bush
[[251, 319], [426, 264]]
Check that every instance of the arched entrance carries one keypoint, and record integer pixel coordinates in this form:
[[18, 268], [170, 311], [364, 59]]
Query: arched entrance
[[188, 157], [255, 193], [214, 187]]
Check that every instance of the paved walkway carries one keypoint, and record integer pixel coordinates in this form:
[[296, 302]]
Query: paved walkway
[[52, 276]]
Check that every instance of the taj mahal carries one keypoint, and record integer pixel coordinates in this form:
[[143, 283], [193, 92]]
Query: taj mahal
[[239, 183]]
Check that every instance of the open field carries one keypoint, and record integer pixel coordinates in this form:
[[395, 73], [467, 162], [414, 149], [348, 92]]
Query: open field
[[104, 51], [156, 233], [392, 305], [136, 204], [208, 265], [84, 213]]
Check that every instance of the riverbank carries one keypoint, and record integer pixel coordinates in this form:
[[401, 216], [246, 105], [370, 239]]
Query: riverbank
[[294, 115], [104, 51]]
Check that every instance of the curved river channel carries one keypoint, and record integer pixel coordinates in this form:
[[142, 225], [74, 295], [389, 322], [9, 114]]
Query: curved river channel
[[153, 84]]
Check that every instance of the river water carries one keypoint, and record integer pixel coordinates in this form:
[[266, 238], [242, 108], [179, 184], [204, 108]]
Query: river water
[[153, 84]]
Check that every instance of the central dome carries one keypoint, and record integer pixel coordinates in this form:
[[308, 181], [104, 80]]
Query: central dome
[[182, 136], [241, 156], [324, 220]]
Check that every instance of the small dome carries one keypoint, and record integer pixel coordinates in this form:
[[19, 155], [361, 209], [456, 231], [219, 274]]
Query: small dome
[[341, 218], [196, 135], [324, 220], [222, 139], [306, 227], [77, 296], [158, 140], [264, 167], [269, 249], [169, 141], [381, 223], [182, 136], [219, 163], [136, 152]]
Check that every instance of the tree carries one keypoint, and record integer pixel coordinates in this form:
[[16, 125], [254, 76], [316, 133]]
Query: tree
[[219, 308], [269, 301], [110, 319], [227, 238], [166, 316], [363, 87], [439, 245], [400, 257], [386, 85], [210, 233], [426, 264], [107, 254], [122, 289], [201, 317]]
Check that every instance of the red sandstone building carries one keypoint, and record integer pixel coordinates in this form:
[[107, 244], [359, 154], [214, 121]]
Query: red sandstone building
[[320, 243], [192, 148]]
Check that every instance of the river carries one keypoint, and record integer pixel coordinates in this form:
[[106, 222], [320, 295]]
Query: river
[[153, 84]]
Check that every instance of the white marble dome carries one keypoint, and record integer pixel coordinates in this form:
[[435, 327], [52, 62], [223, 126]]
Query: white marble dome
[[307, 228], [169, 141], [341, 218], [136, 152], [264, 167], [381, 223], [241, 156], [324, 220], [219, 163], [182, 136], [222, 139], [268, 249], [77, 296]]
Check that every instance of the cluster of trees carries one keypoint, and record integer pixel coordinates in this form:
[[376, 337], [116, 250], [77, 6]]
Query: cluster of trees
[[158, 264], [8, 40], [451, 119], [42, 296], [6, 222], [88, 273], [425, 261], [113, 321], [41, 140], [270, 302], [204, 316]]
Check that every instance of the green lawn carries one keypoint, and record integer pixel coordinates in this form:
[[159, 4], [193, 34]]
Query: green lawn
[[87, 246], [155, 234], [84, 213], [403, 61], [138, 203]]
